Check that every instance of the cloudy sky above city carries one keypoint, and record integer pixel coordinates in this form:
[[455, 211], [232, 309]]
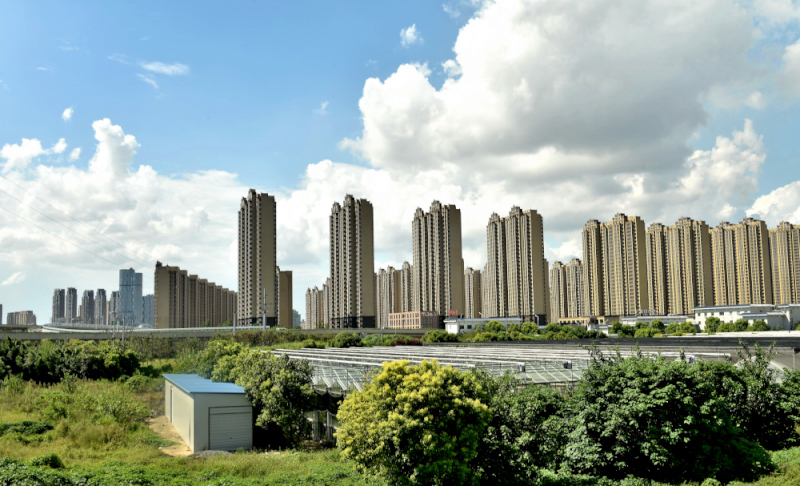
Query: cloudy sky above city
[[129, 132]]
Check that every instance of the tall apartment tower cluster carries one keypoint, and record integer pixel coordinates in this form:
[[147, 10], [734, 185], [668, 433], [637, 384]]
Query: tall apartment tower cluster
[[182, 300], [515, 279], [438, 268], [784, 243], [388, 291], [742, 267], [351, 290]]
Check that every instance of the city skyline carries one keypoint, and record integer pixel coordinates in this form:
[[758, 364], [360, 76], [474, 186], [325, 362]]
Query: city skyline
[[135, 141]]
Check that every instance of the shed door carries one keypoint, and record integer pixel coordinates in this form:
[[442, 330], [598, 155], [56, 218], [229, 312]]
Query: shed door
[[230, 428]]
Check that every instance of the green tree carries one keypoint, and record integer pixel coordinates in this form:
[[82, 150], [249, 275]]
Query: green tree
[[279, 389], [657, 324], [438, 336], [527, 430], [530, 328], [347, 340], [656, 419], [712, 324], [493, 326], [214, 352], [418, 425], [758, 325]]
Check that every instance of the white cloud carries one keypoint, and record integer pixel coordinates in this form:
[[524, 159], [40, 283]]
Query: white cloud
[[322, 108], [410, 36], [148, 79], [423, 68], [756, 101], [41, 68], [782, 204], [175, 69], [75, 154], [19, 156], [59, 147], [67, 115], [14, 278], [120, 58], [451, 10], [451, 68]]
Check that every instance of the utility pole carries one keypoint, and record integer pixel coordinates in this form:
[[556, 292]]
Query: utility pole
[[234, 327]]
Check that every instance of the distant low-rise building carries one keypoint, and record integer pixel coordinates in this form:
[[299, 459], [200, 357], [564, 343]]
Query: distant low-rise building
[[776, 316], [414, 320], [21, 318]]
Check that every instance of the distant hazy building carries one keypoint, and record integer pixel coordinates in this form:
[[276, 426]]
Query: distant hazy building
[[389, 295], [182, 300], [406, 287], [558, 292], [472, 293], [59, 306], [100, 306], [784, 244], [296, 321], [258, 282], [741, 263], [576, 291], [148, 310], [351, 292], [71, 305], [112, 313], [130, 297], [314, 309], [438, 271], [284, 299], [87, 307], [21, 318]]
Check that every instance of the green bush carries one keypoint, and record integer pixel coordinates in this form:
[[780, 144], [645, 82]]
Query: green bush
[[739, 326], [418, 424], [438, 336], [656, 419], [712, 324], [622, 330], [347, 340], [493, 326], [758, 325], [121, 407], [25, 427], [47, 460]]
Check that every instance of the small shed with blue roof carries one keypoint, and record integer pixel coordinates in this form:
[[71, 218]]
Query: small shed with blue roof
[[208, 415]]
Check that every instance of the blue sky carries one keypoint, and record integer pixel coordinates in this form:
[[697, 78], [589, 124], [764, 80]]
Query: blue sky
[[576, 109]]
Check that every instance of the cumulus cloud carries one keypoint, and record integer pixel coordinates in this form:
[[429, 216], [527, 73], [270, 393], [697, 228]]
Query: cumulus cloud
[[19, 156], [175, 69], [410, 36], [67, 114], [14, 278], [782, 204], [75, 154], [322, 108]]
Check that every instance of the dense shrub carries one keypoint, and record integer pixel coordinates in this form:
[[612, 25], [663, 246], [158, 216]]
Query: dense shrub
[[622, 330], [712, 324], [405, 341], [48, 361], [25, 427], [438, 336], [417, 424], [739, 326], [47, 460], [656, 419], [758, 325], [680, 328], [347, 340]]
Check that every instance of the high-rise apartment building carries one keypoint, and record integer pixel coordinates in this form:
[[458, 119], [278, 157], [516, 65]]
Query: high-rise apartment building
[[258, 280], [784, 245], [351, 293], [130, 297], [689, 274], [473, 291], [71, 305], [741, 262], [516, 276], [575, 293], [59, 306], [182, 300], [495, 292], [406, 288], [567, 290], [593, 297], [148, 310], [112, 313], [389, 292], [657, 274], [87, 307], [284, 299], [438, 269], [624, 267], [314, 309], [21, 318], [558, 292], [100, 306]]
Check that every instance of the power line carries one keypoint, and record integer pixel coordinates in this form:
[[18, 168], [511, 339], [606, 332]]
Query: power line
[[60, 238], [70, 217], [79, 234]]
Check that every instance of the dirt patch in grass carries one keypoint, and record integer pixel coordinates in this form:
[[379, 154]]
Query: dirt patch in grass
[[162, 426]]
